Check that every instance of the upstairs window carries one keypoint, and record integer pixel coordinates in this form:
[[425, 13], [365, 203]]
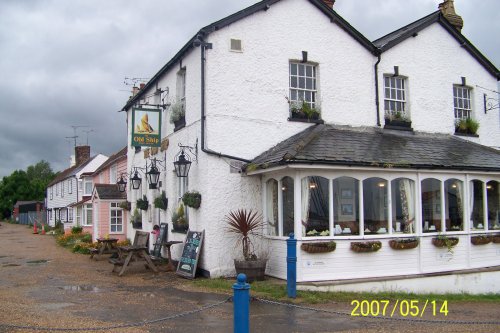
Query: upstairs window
[[461, 102], [395, 101], [178, 109], [303, 91], [112, 174], [87, 186], [70, 186]]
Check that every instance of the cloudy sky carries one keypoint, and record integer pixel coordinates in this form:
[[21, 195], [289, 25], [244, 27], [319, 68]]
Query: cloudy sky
[[63, 63]]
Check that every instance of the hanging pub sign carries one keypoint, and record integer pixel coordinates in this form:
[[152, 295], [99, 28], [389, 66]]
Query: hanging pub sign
[[146, 127]]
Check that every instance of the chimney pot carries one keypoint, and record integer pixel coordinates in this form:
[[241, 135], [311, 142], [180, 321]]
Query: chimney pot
[[135, 90], [142, 85], [329, 3]]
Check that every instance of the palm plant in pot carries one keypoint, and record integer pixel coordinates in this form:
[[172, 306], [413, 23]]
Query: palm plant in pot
[[245, 225]]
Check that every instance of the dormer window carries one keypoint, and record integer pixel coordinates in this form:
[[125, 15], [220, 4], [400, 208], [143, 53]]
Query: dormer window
[[396, 111], [303, 92]]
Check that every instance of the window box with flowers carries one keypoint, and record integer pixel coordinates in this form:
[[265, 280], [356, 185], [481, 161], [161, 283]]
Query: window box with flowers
[[366, 246], [403, 243], [445, 241], [480, 239], [495, 238], [304, 112], [178, 115], [466, 127], [397, 120], [318, 247]]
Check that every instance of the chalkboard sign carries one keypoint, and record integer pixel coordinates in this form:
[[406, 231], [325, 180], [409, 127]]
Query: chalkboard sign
[[162, 237], [190, 253]]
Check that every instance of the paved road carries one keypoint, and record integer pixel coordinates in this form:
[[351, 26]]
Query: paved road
[[44, 285]]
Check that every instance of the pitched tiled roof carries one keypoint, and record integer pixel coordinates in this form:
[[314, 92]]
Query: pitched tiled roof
[[69, 172], [375, 147], [112, 159], [109, 192], [411, 30]]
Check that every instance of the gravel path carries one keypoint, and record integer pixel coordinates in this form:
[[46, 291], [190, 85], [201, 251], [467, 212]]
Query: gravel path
[[44, 285]]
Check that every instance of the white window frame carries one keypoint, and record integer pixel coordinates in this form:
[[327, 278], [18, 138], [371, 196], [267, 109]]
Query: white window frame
[[462, 102], [70, 186], [86, 181], [87, 211], [52, 193], [181, 86], [62, 189], [113, 174], [117, 220], [57, 189], [79, 213], [299, 90], [70, 214], [391, 98]]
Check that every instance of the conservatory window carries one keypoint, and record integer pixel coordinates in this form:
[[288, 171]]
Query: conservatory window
[[403, 205], [272, 207], [454, 205], [476, 199], [287, 191], [375, 206], [493, 200], [315, 206], [346, 206], [431, 205]]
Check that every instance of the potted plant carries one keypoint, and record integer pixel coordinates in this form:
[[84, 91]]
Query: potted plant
[[143, 203], [179, 221], [161, 201], [480, 240], [125, 205], [192, 199], [136, 219], [397, 119], [445, 241], [177, 115], [318, 247], [302, 110], [403, 243], [245, 225], [467, 126], [366, 246]]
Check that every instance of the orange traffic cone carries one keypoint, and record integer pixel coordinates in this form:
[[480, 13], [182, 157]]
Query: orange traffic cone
[[43, 230], [35, 228]]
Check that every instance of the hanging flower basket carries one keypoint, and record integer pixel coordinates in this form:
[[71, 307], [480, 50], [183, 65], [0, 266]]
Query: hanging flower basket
[[403, 244], [125, 205], [143, 203], [161, 201], [318, 247], [366, 246], [480, 240], [495, 238], [448, 242], [192, 199]]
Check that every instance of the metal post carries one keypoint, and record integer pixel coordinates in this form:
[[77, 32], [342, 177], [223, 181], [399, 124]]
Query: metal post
[[241, 300], [291, 267]]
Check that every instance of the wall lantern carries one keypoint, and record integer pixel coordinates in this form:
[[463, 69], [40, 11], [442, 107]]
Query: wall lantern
[[122, 184], [136, 180], [153, 175], [183, 160]]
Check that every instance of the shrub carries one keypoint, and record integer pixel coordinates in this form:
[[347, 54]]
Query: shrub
[[192, 199], [76, 230]]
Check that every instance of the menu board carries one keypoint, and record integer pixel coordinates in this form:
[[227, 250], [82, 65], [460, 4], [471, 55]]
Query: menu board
[[190, 254]]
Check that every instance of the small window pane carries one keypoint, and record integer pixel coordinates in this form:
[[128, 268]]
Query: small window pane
[[315, 206], [431, 205], [293, 82], [454, 204], [272, 207], [346, 206], [301, 70], [477, 199], [288, 205], [293, 69], [493, 201], [375, 205], [302, 82]]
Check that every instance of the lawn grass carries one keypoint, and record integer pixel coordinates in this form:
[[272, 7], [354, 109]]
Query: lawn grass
[[276, 290]]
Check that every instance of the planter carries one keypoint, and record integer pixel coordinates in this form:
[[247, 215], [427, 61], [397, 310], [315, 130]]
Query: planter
[[192, 199], [398, 124], [366, 246], [143, 203], [448, 242], [318, 247], [179, 124], [403, 244], [180, 228], [137, 225], [495, 239], [480, 240], [253, 269]]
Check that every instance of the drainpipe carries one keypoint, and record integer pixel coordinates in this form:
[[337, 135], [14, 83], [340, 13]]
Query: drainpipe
[[206, 46], [376, 88]]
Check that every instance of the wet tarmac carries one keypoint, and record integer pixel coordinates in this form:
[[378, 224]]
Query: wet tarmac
[[44, 285]]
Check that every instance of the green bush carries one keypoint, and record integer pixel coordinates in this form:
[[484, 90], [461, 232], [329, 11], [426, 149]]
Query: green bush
[[76, 230], [87, 238]]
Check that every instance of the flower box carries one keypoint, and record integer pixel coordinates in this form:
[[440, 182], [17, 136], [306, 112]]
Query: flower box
[[403, 244], [495, 239], [445, 241], [318, 247], [480, 240], [366, 246]]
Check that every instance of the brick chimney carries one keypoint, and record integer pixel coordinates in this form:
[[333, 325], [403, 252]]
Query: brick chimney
[[82, 154], [448, 10], [329, 3]]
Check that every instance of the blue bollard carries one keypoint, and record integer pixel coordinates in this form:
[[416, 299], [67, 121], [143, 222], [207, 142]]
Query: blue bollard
[[291, 266], [241, 300]]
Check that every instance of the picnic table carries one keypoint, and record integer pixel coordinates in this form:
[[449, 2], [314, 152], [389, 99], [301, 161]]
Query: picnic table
[[132, 253], [104, 246]]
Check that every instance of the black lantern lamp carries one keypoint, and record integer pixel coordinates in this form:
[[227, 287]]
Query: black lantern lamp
[[184, 158], [153, 175], [122, 184], [182, 165], [136, 180]]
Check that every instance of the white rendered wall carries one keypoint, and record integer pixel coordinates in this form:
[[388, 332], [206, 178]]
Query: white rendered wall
[[434, 61]]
